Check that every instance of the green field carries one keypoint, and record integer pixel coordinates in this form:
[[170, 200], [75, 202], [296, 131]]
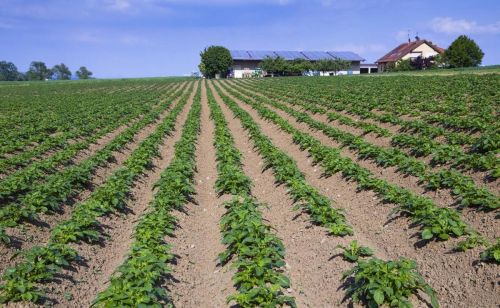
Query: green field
[[307, 191]]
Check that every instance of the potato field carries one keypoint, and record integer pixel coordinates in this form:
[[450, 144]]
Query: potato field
[[294, 192]]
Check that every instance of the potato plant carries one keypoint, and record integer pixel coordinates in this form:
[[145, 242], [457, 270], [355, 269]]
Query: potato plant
[[258, 252], [137, 281], [82, 224]]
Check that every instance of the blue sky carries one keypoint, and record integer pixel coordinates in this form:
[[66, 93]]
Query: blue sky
[[139, 38]]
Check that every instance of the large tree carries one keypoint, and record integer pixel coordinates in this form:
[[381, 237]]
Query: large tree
[[83, 73], [463, 52], [275, 65], [215, 60], [340, 65], [332, 65], [38, 71], [61, 72], [8, 71], [299, 66]]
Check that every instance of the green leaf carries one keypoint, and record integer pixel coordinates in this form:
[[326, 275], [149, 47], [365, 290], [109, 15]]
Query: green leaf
[[427, 234], [378, 296]]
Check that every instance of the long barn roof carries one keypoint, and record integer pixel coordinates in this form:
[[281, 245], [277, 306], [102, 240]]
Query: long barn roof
[[291, 55]]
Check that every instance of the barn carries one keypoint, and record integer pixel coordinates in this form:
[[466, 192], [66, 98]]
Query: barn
[[246, 62]]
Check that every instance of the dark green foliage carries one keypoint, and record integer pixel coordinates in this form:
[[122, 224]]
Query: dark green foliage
[[333, 65], [215, 60], [492, 254], [463, 52], [472, 241], [259, 254], [8, 71], [61, 72], [276, 66], [83, 73], [400, 66], [377, 282], [38, 71]]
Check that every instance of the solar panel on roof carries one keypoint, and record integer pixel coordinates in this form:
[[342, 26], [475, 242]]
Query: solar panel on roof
[[290, 55], [345, 55], [317, 55], [239, 55], [260, 55]]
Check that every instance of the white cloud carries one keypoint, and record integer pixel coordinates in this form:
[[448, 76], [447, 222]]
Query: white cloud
[[119, 5], [449, 25]]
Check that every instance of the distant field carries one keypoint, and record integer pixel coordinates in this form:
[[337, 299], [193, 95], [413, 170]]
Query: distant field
[[210, 193], [493, 69]]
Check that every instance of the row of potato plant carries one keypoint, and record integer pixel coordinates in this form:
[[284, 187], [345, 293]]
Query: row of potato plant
[[414, 126], [457, 103], [91, 128], [39, 113], [460, 185], [258, 253], [286, 172], [42, 263], [482, 156], [48, 196], [21, 181], [137, 282], [440, 223], [57, 126], [374, 284], [424, 212]]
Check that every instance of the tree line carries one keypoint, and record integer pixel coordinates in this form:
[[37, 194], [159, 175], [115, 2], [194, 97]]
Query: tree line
[[280, 67], [38, 70]]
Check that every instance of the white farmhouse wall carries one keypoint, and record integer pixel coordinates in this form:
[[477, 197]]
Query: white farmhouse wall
[[424, 50]]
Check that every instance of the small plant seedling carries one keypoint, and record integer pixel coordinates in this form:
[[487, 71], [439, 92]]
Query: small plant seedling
[[474, 240], [492, 254], [354, 251]]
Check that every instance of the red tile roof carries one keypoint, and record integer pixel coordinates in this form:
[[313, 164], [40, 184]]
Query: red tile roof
[[405, 48]]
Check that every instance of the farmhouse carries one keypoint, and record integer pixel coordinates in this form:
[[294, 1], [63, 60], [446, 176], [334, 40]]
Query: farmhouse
[[246, 62], [410, 50]]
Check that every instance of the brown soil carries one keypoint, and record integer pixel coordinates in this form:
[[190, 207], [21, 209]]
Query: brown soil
[[199, 282], [313, 264], [384, 142], [314, 277], [486, 223], [85, 153], [480, 178], [92, 276], [458, 278], [29, 235]]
